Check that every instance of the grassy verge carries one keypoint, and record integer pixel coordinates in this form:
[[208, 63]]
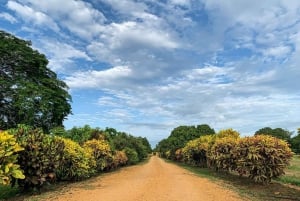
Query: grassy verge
[[292, 173], [247, 188]]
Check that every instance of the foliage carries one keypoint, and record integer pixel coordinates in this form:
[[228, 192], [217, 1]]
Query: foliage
[[30, 93], [180, 136], [277, 132], [119, 159], [195, 151], [295, 143], [101, 152], [230, 133], [141, 146], [132, 156], [77, 163], [39, 159], [8, 158], [221, 156], [262, 157]]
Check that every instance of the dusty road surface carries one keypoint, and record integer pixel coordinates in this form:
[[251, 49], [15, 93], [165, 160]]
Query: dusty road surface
[[153, 181]]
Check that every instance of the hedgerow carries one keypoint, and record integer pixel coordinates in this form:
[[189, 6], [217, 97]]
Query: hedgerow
[[41, 156], [101, 152], [260, 157], [77, 163]]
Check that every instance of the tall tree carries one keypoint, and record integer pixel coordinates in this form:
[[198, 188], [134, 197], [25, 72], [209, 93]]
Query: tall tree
[[277, 132], [30, 93]]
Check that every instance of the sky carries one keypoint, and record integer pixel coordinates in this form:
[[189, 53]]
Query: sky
[[147, 66]]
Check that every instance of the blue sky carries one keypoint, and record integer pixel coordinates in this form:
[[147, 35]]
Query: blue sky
[[148, 66]]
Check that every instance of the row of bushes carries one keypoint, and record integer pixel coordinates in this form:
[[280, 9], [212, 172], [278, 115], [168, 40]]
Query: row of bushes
[[32, 159], [260, 157]]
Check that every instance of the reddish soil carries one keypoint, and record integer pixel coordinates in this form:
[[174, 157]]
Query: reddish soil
[[153, 181]]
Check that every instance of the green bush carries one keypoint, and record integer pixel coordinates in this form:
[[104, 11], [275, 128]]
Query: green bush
[[132, 156], [262, 157], [39, 159], [9, 149], [77, 163]]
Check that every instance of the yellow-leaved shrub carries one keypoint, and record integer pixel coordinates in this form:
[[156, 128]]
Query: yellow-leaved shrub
[[221, 156], [77, 162], [194, 152], [262, 157], [9, 149], [101, 152]]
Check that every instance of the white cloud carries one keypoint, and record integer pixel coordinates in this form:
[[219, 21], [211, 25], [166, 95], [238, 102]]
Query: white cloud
[[78, 17], [32, 16], [8, 17], [98, 79], [280, 51], [61, 55]]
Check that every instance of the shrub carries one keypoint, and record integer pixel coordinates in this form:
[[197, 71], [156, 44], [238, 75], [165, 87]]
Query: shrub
[[221, 155], [8, 158], [101, 152], [77, 163], [262, 157], [132, 156], [179, 155], [228, 133], [39, 159], [119, 159], [195, 151]]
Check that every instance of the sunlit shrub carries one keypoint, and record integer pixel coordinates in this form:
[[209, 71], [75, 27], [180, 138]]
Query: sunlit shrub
[[262, 157], [77, 163], [101, 152], [9, 149], [41, 156]]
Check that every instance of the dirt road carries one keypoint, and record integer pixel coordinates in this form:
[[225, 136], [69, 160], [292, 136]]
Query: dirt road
[[153, 181]]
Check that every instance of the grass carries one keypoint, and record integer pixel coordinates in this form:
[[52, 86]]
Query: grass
[[292, 173], [276, 190]]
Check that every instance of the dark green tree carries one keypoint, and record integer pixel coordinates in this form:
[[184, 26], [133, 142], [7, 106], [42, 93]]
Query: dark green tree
[[180, 136], [30, 93], [295, 142], [277, 132]]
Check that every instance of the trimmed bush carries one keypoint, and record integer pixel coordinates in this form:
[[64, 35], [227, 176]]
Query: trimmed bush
[[101, 152], [9, 149], [39, 159], [194, 152], [262, 157], [221, 155], [77, 163]]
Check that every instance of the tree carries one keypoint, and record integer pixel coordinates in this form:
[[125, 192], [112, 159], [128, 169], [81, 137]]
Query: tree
[[277, 132], [180, 136], [295, 143], [30, 93]]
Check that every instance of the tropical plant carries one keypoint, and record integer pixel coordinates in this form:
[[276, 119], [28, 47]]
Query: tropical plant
[[41, 156], [9, 149], [76, 163]]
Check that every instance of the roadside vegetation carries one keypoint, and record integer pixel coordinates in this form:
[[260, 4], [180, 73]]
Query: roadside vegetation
[[35, 149], [33, 160], [261, 167]]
